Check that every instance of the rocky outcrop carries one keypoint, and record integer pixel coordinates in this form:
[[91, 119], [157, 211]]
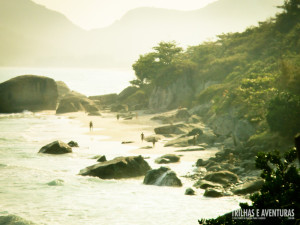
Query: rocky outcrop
[[249, 187], [56, 147], [168, 158], [162, 177], [62, 89], [173, 129], [189, 191], [204, 184], [179, 93], [213, 193], [225, 178], [28, 92], [14, 220], [101, 158], [73, 144], [75, 102], [120, 167]]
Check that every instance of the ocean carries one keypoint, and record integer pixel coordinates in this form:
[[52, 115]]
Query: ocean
[[47, 189]]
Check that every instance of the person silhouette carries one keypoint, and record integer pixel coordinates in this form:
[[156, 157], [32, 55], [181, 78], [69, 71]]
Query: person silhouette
[[91, 125], [142, 136]]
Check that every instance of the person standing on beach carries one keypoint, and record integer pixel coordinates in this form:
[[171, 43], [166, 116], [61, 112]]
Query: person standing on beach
[[118, 116], [153, 142], [91, 125], [142, 136]]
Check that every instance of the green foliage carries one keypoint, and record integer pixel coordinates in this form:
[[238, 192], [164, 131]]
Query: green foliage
[[284, 114], [280, 191]]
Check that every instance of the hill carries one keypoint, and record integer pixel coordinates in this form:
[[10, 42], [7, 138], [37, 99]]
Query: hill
[[50, 39]]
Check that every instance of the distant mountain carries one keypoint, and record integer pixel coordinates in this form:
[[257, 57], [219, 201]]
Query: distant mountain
[[32, 35]]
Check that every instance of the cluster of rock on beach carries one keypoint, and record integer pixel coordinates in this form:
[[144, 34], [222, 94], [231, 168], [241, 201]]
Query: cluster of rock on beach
[[231, 171]]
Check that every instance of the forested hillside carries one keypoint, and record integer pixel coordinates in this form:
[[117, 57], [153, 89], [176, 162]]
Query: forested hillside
[[252, 76]]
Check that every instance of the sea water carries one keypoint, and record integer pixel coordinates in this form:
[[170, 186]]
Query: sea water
[[86, 81], [47, 189]]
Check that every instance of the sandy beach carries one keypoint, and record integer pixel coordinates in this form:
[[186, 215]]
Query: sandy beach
[[130, 131]]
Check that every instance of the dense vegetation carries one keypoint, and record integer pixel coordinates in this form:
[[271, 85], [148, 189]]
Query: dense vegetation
[[280, 191], [257, 72]]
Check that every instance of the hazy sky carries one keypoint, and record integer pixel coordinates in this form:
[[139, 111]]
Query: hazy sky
[[100, 13]]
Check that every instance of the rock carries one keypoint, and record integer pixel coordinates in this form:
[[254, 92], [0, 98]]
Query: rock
[[62, 88], [191, 149], [206, 137], [214, 193], [14, 220], [249, 187], [180, 142], [243, 130], [178, 93], [127, 92], [196, 131], [189, 191], [201, 162], [120, 167], [204, 184], [56, 147], [28, 92], [225, 178], [101, 158], [119, 108], [127, 142], [214, 168], [146, 147], [76, 102], [73, 144], [194, 119], [94, 114], [108, 99], [182, 114], [57, 182], [164, 119], [162, 177], [171, 129], [168, 158]]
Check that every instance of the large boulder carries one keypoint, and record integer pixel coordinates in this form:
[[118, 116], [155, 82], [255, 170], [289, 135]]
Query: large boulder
[[168, 158], [120, 167], [204, 184], [14, 220], [75, 102], [56, 147], [28, 92], [163, 176], [62, 88], [224, 178], [249, 187]]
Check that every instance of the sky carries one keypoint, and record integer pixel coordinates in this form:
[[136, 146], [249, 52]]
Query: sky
[[90, 14]]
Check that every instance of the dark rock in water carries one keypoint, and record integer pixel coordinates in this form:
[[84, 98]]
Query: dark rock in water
[[14, 220], [75, 102], [168, 158], [56, 147], [73, 144], [57, 182], [162, 177], [28, 92], [214, 193], [225, 178], [120, 167], [249, 187], [189, 191], [101, 158]]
